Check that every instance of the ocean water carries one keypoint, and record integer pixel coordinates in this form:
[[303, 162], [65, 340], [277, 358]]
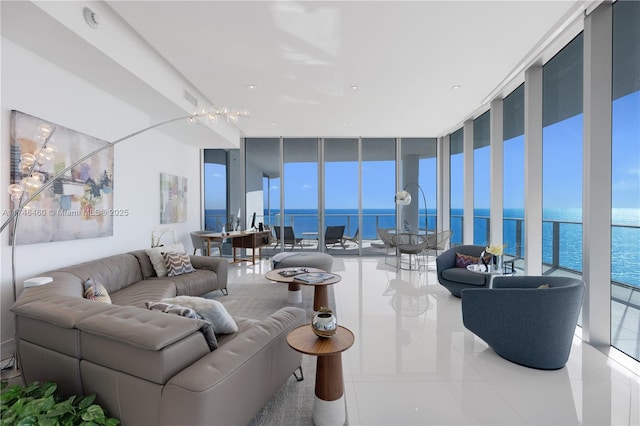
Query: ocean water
[[565, 224]]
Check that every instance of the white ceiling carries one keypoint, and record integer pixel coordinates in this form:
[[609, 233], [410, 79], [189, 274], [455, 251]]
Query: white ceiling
[[303, 57]]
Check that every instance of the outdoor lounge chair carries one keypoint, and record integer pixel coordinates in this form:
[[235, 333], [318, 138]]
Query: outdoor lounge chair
[[334, 235], [290, 238]]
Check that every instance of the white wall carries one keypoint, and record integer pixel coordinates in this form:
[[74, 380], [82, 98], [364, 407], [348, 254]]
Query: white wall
[[36, 87]]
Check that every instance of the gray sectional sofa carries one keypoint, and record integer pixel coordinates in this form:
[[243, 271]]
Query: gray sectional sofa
[[149, 367]]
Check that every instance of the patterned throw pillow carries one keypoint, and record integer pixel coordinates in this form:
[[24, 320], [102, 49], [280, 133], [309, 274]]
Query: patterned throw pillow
[[157, 259], [177, 264], [212, 310], [183, 311], [464, 260], [95, 291]]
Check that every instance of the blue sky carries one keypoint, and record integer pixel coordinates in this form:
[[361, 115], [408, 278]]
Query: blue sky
[[562, 173]]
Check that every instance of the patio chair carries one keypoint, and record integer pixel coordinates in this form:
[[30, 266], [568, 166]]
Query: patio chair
[[200, 244], [438, 242], [355, 239], [334, 235], [387, 240], [412, 245], [289, 238]]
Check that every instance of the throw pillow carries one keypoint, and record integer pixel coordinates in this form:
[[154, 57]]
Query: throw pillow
[[464, 260], [177, 264], [184, 311], [95, 291], [157, 260], [544, 286], [211, 310]]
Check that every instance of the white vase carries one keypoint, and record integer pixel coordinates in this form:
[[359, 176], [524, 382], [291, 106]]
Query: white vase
[[498, 263]]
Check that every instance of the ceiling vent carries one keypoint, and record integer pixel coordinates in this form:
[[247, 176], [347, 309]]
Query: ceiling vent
[[192, 99], [90, 17]]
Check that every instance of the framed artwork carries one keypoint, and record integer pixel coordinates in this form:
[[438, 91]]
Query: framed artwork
[[78, 204], [173, 198]]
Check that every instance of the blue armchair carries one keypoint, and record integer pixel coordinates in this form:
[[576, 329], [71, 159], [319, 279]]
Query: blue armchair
[[523, 323], [455, 279]]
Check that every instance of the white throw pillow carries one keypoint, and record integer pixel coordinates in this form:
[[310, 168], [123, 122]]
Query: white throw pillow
[[157, 259], [209, 309]]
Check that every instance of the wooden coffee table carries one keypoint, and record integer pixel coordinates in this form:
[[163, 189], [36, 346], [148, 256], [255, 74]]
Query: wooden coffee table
[[320, 293], [329, 405]]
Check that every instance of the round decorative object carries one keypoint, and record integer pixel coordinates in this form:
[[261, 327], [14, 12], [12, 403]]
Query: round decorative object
[[324, 323]]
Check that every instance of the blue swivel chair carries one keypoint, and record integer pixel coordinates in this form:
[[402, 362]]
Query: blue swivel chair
[[524, 323]]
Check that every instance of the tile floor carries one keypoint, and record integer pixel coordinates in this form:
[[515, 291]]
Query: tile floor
[[414, 363]]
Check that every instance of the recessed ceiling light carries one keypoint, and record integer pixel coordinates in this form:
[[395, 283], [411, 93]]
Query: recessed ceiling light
[[455, 87], [251, 86], [273, 123], [345, 124], [354, 87]]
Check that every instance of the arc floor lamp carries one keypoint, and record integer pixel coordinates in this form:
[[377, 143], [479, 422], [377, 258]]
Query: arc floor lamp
[[403, 198]]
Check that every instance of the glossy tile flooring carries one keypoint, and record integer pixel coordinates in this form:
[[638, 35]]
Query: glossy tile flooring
[[414, 363]]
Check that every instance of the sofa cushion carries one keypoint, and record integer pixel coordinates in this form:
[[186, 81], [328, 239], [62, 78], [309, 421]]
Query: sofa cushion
[[209, 309], [113, 272], [462, 275], [196, 283], [157, 259], [177, 264], [137, 294], [95, 291]]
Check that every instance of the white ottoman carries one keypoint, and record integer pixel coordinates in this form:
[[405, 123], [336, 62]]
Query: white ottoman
[[309, 260]]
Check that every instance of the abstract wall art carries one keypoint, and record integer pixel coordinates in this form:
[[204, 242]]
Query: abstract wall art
[[173, 198], [79, 204]]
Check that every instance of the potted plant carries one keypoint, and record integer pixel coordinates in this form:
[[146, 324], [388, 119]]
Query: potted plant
[[38, 404]]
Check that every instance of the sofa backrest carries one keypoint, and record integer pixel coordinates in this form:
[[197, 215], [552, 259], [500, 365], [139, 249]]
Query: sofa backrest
[[113, 272], [146, 267]]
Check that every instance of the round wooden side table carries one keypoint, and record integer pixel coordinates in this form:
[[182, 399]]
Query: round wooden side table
[[329, 404], [320, 291]]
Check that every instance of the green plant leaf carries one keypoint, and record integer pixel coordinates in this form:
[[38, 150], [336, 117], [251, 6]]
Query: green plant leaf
[[86, 401], [28, 421], [92, 413], [49, 388]]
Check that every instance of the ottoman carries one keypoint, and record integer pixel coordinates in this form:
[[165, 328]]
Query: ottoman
[[301, 260]]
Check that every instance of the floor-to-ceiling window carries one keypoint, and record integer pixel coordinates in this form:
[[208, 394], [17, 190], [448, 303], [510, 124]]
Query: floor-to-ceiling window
[[418, 163], [562, 159], [378, 185], [456, 191], [341, 185], [215, 189], [625, 200], [262, 179], [513, 173], [301, 185], [481, 179]]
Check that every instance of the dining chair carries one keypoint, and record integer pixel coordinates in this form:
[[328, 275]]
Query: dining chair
[[200, 244]]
